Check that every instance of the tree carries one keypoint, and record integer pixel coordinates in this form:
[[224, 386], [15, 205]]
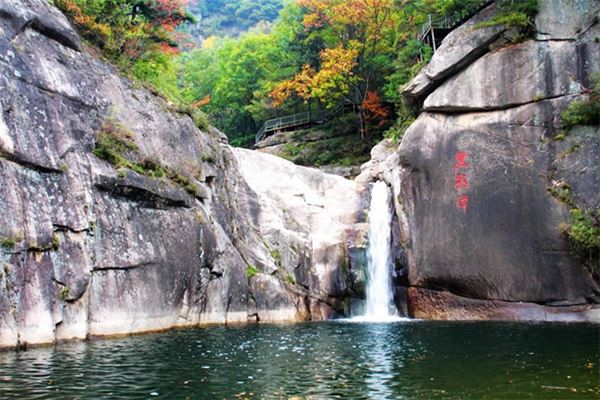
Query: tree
[[358, 49]]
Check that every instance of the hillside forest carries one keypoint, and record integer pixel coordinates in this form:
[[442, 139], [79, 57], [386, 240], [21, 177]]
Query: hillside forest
[[283, 58]]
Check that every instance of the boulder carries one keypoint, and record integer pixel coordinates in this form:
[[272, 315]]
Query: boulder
[[519, 74], [480, 220], [306, 213], [461, 47]]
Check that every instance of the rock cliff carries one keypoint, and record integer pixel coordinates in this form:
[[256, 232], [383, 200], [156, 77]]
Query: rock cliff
[[201, 233], [471, 177]]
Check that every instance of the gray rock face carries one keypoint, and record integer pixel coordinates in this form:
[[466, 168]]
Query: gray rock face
[[304, 218], [505, 243], [459, 48], [479, 228], [91, 250], [516, 75], [565, 19]]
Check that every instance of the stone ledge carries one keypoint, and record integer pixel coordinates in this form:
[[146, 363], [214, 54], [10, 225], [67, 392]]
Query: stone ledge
[[438, 305]]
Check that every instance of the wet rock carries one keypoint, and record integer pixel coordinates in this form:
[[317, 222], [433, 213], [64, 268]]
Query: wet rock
[[436, 305]]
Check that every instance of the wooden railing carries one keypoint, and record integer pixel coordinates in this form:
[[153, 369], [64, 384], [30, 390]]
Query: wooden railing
[[296, 120], [448, 22]]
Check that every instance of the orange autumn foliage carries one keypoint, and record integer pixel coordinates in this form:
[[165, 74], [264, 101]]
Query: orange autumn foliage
[[344, 72], [375, 113], [202, 102], [336, 73]]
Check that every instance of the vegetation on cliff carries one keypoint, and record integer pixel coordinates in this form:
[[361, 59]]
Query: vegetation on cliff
[[584, 112]]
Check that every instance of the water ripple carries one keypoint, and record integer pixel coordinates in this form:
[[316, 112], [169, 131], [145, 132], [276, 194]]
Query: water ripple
[[318, 361]]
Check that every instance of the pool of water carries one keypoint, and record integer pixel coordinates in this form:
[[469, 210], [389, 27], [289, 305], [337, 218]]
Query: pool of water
[[401, 360]]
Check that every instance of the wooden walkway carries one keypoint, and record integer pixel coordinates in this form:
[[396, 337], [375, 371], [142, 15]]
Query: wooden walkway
[[296, 121]]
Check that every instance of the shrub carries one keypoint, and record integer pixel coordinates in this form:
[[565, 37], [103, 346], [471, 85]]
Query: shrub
[[561, 191], [514, 14], [582, 112], [113, 142], [251, 271], [8, 242], [584, 238]]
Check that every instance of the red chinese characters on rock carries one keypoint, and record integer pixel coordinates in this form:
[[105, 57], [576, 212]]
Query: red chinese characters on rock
[[461, 182]]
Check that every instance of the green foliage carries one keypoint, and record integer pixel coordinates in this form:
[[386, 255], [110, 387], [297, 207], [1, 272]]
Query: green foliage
[[406, 117], [582, 112], [338, 145], [514, 14], [276, 255], [251, 271], [64, 293], [113, 142], [55, 241], [11, 240], [583, 232], [584, 238], [8, 242], [136, 35], [236, 77], [199, 117], [159, 71], [290, 279], [561, 191]]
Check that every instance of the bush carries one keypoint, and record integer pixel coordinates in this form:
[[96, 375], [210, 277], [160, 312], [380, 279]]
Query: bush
[[582, 112], [584, 238], [113, 142], [158, 70], [251, 271], [8, 242], [514, 14]]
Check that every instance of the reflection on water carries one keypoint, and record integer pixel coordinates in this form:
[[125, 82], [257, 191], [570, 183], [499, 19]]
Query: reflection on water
[[380, 377], [416, 360]]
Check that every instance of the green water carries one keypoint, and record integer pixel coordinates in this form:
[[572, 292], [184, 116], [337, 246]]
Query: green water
[[405, 360]]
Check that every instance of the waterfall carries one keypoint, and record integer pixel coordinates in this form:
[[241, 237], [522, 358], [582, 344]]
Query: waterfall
[[379, 288], [380, 306]]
